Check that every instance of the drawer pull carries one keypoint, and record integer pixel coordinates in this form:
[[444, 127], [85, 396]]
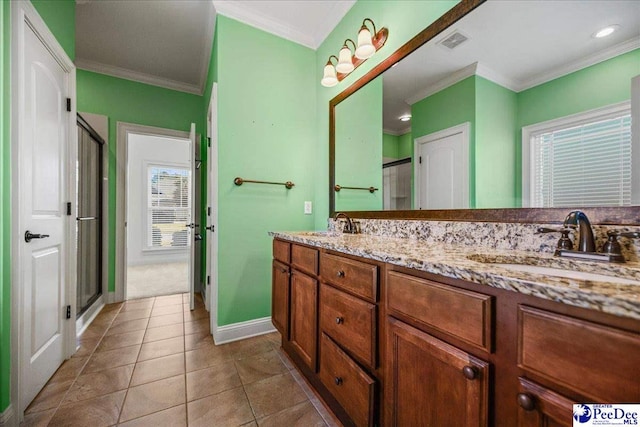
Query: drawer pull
[[469, 372], [339, 320], [283, 270], [340, 273], [526, 402], [338, 381]]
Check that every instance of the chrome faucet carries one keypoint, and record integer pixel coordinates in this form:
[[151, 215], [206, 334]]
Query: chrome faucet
[[579, 219], [348, 226]]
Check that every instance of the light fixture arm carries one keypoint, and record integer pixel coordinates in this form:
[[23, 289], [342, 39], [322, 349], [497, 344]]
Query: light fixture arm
[[373, 24], [329, 60], [352, 42]]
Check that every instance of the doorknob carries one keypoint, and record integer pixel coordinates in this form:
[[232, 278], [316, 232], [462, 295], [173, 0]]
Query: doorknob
[[29, 235]]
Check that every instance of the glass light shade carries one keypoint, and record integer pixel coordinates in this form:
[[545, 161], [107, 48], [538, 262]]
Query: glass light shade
[[345, 63], [365, 48], [329, 79]]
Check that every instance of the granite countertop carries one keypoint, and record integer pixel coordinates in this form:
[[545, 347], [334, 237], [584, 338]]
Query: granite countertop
[[479, 266]]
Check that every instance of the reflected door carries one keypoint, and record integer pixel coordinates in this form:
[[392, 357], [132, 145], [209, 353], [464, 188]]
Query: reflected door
[[89, 219]]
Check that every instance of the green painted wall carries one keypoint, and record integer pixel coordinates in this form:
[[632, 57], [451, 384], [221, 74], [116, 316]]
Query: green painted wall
[[404, 20], [389, 146], [601, 84], [132, 102], [359, 148], [495, 145], [60, 17], [5, 203], [405, 146], [267, 109], [449, 107]]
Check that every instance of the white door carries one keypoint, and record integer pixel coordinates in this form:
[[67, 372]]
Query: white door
[[442, 172], [43, 182], [192, 228]]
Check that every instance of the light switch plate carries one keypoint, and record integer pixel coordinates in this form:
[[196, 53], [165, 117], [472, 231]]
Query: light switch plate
[[308, 208]]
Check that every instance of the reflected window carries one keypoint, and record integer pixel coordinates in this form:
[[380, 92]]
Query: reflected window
[[169, 207]]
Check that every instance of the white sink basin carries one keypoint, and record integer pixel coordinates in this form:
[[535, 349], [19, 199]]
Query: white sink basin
[[569, 274]]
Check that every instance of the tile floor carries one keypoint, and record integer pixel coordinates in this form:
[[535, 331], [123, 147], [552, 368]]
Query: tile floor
[[152, 362]]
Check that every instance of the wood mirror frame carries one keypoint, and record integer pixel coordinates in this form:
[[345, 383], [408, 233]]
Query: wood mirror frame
[[598, 215]]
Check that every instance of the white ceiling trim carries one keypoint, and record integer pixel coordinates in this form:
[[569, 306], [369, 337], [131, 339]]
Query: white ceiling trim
[[250, 17], [136, 76], [451, 79], [588, 61], [397, 132]]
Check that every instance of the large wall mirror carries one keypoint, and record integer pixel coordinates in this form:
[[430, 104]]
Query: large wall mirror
[[511, 107]]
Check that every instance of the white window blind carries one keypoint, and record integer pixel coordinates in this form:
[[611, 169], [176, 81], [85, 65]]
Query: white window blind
[[586, 164], [169, 207]]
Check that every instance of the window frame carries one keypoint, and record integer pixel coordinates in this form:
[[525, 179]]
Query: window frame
[[602, 113], [146, 248]]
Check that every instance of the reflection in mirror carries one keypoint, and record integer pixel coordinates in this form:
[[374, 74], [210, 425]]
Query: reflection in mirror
[[518, 104]]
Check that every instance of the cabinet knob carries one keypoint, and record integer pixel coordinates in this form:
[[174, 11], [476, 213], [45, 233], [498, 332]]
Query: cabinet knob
[[526, 402], [339, 320], [284, 270], [469, 372], [338, 381], [340, 273]]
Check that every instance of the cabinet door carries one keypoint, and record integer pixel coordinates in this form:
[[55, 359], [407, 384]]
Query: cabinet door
[[304, 318], [280, 298], [540, 407], [432, 383]]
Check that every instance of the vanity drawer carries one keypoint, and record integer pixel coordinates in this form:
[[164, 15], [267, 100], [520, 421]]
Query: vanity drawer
[[597, 361], [353, 276], [304, 259], [463, 314], [282, 251], [350, 385], [350, 321]]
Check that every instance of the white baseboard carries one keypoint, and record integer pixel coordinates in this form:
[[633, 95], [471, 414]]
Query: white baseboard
[[111, 297], [242, 330], [7, 417], [87, 317]]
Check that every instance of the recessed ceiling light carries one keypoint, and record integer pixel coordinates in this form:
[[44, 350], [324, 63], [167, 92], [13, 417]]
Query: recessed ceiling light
[[606, 31], [405, 118]]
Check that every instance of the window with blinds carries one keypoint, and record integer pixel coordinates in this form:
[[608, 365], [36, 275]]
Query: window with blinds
[[582, 163], [169, 207]]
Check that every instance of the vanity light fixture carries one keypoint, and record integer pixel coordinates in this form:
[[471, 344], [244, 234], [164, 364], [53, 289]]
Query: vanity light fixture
[[405, 118], [348, 59], [606, 31]]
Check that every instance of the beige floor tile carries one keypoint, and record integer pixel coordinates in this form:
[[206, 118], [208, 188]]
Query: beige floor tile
[[285, 359], [157, 369], [192, 316], [206, 356], [249, 347], [49, 397], [164, 332], [152, 397], [275, 339], [95, 384], [250, 424], [173, 417], [86, 347], [132, 315], [137, 305], [259, 367], [324, 411], [128, 326], [126, 339], [112, 307], [229, 408], [112, 358], [274, 394], [105, 318], [197, 326], [168, 319], [213, 380], [69, 370], [300, 415], [38, 419], [166, 309], [138, 300], [168, 300], [100, 411], [152, 350], [199, 340], [94, 331]]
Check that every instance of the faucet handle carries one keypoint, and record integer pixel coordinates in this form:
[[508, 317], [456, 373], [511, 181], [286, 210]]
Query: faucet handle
[[542, 230], [627, 234], [564, 242]]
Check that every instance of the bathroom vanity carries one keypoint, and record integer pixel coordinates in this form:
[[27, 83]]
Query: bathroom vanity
[[417, 331]]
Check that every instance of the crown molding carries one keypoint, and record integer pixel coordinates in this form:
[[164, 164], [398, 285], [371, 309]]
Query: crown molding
[[397, 132], [136, 76], [451, 79], [247, 16], [601, 56]]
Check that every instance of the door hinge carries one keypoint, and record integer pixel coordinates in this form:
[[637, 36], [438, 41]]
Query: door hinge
[[68, 312], [208, 141], [208, 280], [68, 208], [209, 211], [420, 160], [69, 104]]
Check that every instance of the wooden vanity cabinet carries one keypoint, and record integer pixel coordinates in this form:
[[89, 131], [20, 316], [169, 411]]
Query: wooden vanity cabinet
[[280, 297]]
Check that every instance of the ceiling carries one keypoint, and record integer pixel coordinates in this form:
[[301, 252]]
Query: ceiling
[[517, 44], [168, 43]]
